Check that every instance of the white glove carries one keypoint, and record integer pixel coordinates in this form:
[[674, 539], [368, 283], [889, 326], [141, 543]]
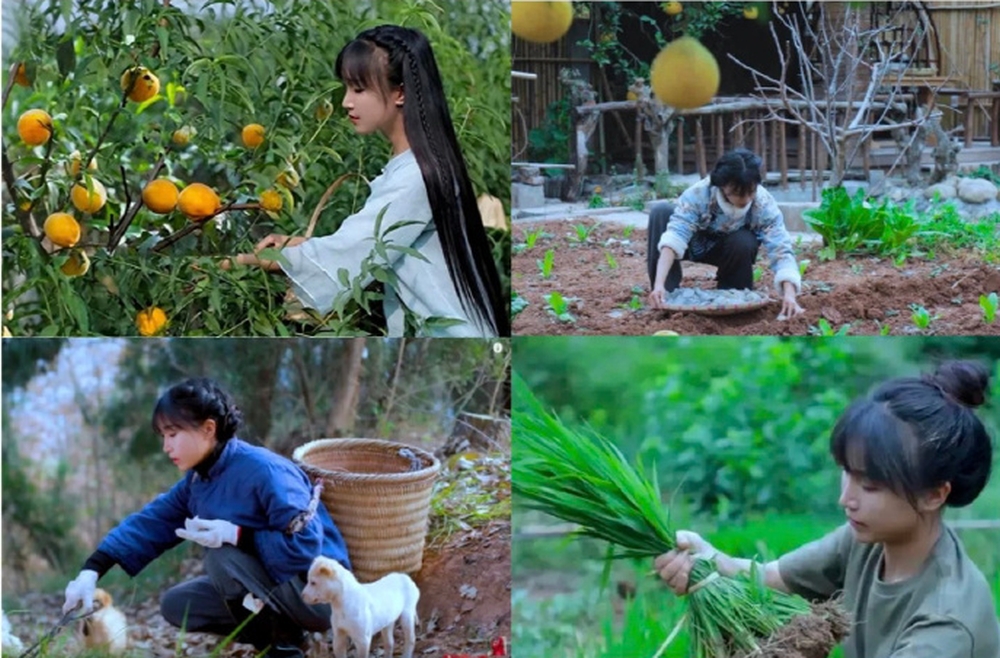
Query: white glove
[[210, 533], [80, 591]]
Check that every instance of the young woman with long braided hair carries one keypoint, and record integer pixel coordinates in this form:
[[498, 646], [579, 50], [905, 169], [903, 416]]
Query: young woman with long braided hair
[[394, 88]]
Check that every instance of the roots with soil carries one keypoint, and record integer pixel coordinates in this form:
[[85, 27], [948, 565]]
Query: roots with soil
[[807, 636]]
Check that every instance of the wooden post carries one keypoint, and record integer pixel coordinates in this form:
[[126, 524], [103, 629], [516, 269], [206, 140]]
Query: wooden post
[[639, 169], [757, 141], [699, 148], [739, 137], [970, 106], [783, 150], [866, 148], [995, 121], [720, 137], [803, 154], [775, 127], [680, 144]]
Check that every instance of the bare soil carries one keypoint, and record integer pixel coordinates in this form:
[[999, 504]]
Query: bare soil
[[866, 293], [465, 593]]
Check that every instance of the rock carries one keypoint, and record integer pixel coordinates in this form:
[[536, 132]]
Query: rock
[[897, 194], [975, 190], [527, 196], [946, 189], [525, 174]]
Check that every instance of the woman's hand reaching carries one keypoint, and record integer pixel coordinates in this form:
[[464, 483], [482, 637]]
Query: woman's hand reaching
[[273, 241], [278, 241]]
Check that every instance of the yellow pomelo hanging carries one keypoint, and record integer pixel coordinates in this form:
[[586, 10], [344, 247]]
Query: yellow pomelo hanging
[[541, 22], [685, 74]]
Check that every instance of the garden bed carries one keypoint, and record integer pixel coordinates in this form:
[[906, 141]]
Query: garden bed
[[599, 269]]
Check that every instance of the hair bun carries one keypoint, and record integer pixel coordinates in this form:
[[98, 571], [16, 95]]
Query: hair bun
[[965, 381]]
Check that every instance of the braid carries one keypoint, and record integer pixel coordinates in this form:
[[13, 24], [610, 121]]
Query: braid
[[432, 138]]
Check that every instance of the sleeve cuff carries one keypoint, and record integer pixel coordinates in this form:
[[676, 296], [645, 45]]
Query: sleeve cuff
[[676, 244], [789, 273], [100, 562]]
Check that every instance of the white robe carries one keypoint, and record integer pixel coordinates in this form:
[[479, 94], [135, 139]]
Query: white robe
[[424, 287]]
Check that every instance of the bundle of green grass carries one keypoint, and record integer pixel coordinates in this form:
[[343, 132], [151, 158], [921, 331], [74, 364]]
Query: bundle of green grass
[[585, 480]]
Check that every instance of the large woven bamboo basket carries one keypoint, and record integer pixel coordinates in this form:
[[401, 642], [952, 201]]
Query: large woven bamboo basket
[[379, 502]]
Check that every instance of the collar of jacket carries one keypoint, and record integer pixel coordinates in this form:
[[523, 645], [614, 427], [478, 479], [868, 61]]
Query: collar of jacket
[[213, 463]]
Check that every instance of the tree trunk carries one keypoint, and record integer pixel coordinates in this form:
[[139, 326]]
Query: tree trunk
[[257, 406], [478, 433], [345, 402]]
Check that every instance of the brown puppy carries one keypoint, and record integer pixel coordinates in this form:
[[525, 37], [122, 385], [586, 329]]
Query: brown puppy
[[107, 628]]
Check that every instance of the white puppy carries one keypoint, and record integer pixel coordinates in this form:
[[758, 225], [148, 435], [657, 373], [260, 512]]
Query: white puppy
[[107, 628], [10, 643], [360, 611]]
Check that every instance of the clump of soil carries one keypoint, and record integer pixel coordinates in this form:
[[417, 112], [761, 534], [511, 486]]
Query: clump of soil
[[807, 636]]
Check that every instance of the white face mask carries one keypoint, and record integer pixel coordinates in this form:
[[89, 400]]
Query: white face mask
[[731, 211]]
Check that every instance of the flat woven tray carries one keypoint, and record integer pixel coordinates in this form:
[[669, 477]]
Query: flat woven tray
[[719, 308]]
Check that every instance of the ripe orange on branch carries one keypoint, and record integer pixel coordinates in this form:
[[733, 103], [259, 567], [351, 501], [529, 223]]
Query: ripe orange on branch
[[145, 85], [182, 136], [76, 265], [198, 201], [62, 229], [73, 165], [151, 321], [160, 195], [89, 200], [34, 127], [253, 135], [270, 200], [21, 77]]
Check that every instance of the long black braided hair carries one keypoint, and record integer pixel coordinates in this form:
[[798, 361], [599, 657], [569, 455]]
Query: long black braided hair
[[407, 61]]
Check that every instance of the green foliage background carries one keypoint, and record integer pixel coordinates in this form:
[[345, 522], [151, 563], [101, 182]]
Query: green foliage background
[[221, 65], [737, 429]]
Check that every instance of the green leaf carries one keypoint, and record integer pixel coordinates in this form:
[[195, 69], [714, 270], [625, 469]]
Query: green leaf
[[66, 56]]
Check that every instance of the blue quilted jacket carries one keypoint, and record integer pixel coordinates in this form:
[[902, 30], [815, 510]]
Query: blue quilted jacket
[[258, 490]]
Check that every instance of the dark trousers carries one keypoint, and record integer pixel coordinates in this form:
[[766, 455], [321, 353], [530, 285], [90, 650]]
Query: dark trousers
[[733, 253], [213, 603]]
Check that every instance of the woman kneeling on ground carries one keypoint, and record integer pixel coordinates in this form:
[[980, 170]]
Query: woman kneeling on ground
[[722, 220], [907, 450], [249, 506]]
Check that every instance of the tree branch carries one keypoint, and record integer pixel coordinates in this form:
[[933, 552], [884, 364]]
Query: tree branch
[[122, 226]]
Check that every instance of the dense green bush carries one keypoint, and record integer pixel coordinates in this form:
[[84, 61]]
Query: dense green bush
[[736, 425]]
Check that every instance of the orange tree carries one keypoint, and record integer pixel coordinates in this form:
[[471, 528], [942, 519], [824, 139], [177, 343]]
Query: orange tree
[[170, 139]]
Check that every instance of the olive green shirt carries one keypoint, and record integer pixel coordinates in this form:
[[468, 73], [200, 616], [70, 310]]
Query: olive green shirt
[[945, 611]]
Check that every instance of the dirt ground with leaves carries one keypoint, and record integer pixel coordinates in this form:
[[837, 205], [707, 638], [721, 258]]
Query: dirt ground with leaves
[[604, 281], [464, 582]]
